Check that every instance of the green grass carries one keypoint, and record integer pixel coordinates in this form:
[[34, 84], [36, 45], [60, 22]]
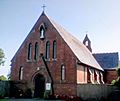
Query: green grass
[[3, 100]]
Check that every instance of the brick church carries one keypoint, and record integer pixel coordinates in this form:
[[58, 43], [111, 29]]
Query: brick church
[[108, 61], [51, 59]]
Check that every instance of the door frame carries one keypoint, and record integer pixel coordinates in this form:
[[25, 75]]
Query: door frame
[[37, 89]]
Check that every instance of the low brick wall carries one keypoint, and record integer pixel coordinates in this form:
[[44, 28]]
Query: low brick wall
[[94, 91]]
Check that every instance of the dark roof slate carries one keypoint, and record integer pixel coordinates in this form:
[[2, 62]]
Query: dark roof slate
[[107, 60]]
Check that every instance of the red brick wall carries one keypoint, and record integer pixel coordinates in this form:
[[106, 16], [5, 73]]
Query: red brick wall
[[110, 75], [81, 74], [64, 56]]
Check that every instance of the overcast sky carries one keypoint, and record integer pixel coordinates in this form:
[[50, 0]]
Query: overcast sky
[[101, 18]]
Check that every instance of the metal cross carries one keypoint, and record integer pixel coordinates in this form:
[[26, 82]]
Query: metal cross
[[86, 32], [43, 7]]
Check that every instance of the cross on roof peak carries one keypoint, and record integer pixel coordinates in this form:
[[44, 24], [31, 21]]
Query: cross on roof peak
[[86, 32], [43, 7]]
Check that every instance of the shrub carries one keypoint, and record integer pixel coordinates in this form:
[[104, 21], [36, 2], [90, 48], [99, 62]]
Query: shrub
[[28, 93], [68, 98], [116, 82], [118, 71], [46, 94], [4, 89]]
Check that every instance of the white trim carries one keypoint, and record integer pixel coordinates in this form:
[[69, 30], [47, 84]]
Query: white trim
[[90, 71], [111, 68], [98, 75], [43, 25], [91, 75], [102, 78]]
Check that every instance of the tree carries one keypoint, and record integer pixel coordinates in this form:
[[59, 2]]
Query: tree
[[2, 57], [9, 76], [117, 81], [2, 78], [118, 70]]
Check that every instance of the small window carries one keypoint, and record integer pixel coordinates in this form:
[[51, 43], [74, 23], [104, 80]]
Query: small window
[[54, 50], [62, 72], [47, 53], [36, 51], [30, 51], [21, 73], [42, 32]]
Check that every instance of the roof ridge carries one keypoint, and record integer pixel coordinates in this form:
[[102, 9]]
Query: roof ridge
[[107, 53], [80, 51]]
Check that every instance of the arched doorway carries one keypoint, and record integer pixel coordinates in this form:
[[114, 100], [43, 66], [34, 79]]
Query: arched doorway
[[39, 82]]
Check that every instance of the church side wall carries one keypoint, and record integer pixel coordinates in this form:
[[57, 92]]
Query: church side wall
[[81, 74]]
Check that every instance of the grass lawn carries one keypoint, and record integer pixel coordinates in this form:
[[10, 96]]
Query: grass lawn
[[4, 100]]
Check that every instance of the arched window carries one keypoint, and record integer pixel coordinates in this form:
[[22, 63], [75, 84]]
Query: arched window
[[30, 51], [47, 53], [86, 43], [21, 73], [54, 50], [36, 51], [42, 32], [62, 72]]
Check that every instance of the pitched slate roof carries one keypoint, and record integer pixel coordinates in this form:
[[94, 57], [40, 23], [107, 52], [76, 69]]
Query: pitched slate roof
[[78, 48], [107, 60]]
